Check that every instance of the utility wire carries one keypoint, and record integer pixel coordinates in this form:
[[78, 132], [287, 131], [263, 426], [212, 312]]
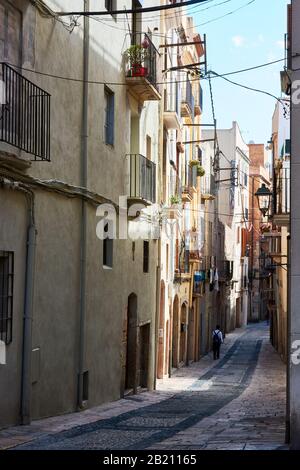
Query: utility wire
[[226, 14], [99, 82], [249, 88], [132, 10], [191, 10]]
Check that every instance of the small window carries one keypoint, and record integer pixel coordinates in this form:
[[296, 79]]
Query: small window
[[146, 257], [109, 118], [6, 295], [107, 250], [110, 5]]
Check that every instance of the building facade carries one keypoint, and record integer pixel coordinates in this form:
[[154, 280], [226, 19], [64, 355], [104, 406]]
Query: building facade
[[78, 317], [233, 210], [259, 289]]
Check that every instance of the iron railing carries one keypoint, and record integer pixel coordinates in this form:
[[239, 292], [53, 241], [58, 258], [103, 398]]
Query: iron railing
[[188, 97], [6, 295], [24, 114], [282, 191], [149, 62], [208, 185], [225, 270], [199, 98], [142, 178], [172, 99]]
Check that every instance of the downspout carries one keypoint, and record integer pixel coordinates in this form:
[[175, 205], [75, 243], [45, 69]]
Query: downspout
[[83, 228], [159, 196], [252, 254], [288, 349], [28, 313]]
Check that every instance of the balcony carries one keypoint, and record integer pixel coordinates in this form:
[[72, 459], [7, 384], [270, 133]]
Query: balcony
[[187, 101], [225, 270], [199, 102], [25, 115], [141, 69], [208, 188], [142, 180], [172, 118], [281, 216], [189, 188], [199, 283]]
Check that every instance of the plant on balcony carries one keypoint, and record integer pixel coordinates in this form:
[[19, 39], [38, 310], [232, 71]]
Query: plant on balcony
[[136, 55], [200, 170], [175, 200], [194, 163]]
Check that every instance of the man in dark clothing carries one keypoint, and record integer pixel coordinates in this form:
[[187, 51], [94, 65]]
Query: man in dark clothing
[[217, 341]]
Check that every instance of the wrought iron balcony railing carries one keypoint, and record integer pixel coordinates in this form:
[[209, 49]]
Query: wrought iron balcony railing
[[199, 101], [225, 270], [142, 178], [282, 192], [24, 114], [187, 100], [142, 58]]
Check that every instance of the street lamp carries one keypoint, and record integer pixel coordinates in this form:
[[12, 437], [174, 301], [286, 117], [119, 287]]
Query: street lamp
[[264, 199]]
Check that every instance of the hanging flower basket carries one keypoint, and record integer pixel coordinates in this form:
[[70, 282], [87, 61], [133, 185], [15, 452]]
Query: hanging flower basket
[[200, 170]]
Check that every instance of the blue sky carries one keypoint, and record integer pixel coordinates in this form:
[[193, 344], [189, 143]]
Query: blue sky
[[254, 35]]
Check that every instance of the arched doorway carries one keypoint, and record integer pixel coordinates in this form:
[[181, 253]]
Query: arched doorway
[[167, 344], [131, 350], [161, 331], [175, 332], [183, 333], [191, 334]]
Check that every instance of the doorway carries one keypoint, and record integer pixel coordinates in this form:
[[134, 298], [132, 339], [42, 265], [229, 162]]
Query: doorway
[[144, 345], [160, 359], [191, 334], [131, 350], [183, 333], [175, 332]]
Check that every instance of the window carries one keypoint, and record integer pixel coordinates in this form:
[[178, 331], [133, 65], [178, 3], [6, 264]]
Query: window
[[146, 257], [10, 33], [109, 111], [110, 5], [6, 295], [107, 250]]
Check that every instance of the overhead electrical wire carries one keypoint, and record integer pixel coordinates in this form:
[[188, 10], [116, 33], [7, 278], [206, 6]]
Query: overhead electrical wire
[[248, 88], [191, 10], [226, 14], [132, 10], [103, 82], [186, 28]]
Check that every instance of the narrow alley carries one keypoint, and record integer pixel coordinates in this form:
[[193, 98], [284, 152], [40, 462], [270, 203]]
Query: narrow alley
[[236, 403]]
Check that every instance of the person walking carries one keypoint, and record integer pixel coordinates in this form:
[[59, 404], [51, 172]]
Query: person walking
[[217, 341]]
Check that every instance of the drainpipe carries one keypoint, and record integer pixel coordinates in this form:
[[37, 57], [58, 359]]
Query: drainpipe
[[288, 349], [28, 314], [83, 228]]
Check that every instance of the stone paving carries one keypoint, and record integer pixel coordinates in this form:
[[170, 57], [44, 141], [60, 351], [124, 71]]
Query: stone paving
[[237, 403]]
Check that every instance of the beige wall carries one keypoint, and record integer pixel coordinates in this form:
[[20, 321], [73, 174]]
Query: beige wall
[[57, 272]]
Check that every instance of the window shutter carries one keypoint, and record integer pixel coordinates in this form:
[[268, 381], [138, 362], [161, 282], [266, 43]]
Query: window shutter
[[111, 118]]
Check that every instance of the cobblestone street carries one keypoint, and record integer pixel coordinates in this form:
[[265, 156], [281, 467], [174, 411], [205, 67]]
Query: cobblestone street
[[236, 403]]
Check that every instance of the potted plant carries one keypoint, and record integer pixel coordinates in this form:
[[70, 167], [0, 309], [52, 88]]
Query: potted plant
[[200, 170], [136, 55], [175, 200]]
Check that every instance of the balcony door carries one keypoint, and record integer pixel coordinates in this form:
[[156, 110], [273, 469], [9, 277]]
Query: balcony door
[[10, 34]]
